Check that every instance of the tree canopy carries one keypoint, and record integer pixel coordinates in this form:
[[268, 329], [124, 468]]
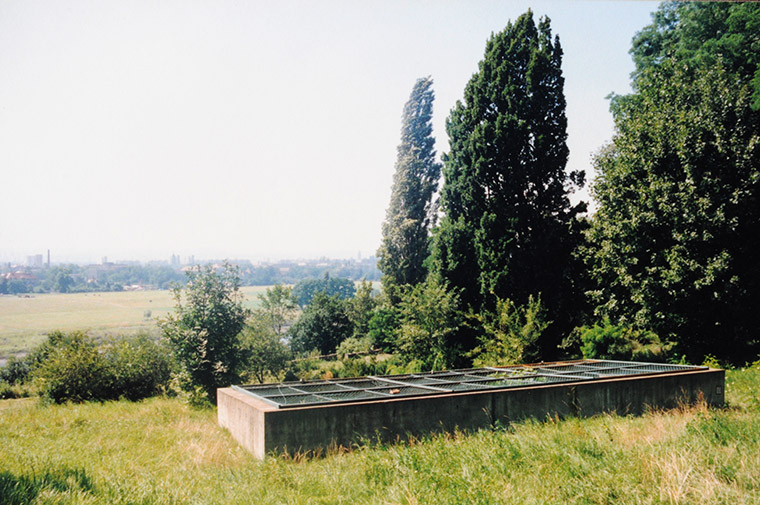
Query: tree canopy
[[508, 230], [703, 34], [305, 290], [208, 316], [677, 232], [412, 209], [322, 325]]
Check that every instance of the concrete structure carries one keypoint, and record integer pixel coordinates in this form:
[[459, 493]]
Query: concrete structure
[[262, 427]]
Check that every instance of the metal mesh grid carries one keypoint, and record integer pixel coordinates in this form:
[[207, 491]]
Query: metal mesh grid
[[321, 392]]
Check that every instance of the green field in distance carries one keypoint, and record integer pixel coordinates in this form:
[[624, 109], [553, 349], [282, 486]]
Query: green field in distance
[[26, 319]]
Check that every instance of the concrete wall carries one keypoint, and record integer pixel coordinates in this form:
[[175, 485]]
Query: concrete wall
[[262, 428]]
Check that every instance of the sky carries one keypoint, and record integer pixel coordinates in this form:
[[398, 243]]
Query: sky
[[254, 129]]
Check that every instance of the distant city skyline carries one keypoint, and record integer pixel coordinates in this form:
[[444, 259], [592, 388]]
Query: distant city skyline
[[41, 260], [257, 130]]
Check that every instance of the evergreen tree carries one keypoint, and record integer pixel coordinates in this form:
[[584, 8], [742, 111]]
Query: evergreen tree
[[412, 210], [675, 239], [508, 230]]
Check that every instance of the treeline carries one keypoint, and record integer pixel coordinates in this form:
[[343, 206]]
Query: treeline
[[210, 340], [512, 271], [115, 277]]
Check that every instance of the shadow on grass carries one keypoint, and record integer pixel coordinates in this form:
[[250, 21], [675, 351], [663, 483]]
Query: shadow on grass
[[23, 489]]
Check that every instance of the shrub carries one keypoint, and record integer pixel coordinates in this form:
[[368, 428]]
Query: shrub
[[15, 371], [266, 356], [322, 325], [139, 367], [430, 321], [511, 334], [73, 367], [354, 345], [610, 341], [9, 391], [203, 329], [74, 371]]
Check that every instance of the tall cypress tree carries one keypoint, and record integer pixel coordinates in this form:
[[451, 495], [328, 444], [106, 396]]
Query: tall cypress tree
[[507, 230], [412, 209]]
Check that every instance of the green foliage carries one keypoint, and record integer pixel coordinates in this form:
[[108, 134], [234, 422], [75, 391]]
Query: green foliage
[[306, 289], [9, 391], [361, 309], [204, 327], [74, 370], [140, 367], [429, 318], [412, 209], [63, 280], [382, 328], [354, 345], [278, 307], [620, 342], [511, 334], [74, 367], [678, 226], [15, 371], [322, 325], [509, 229], [700, 35], [266, 356]]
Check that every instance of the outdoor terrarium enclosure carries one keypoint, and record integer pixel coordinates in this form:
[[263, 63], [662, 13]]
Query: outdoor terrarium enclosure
[[308, 416]]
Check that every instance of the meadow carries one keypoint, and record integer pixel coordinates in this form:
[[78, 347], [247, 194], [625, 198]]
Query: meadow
[[25, 320], [161, 451]]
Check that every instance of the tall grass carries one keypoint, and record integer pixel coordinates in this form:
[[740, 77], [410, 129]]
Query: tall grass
[[162, 452]]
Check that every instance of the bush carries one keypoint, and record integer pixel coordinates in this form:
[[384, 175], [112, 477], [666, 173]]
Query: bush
[[139, 367], [74, 371], [204, 327], [73, 367], [511, 334], [354, 345], [610, 341], [322, 325], [266, 356], [15, 371], [9, 391]]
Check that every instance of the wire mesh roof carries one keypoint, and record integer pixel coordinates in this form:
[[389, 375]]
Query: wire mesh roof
[[373, 388]]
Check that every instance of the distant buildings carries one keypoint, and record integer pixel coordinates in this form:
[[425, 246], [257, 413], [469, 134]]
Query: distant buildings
[[34, 261]]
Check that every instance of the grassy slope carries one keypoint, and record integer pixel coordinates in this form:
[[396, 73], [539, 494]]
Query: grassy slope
[[25, 321], [160, 451]]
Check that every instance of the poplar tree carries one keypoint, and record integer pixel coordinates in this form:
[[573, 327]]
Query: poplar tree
[[508, 226], [412, 209]]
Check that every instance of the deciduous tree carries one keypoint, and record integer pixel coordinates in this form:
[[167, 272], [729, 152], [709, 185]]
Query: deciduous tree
[[322, 325], [676, 236], [204, 327], [412, 209]]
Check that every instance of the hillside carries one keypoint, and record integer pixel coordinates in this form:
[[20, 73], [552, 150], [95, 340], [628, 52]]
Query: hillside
[[161, 451]]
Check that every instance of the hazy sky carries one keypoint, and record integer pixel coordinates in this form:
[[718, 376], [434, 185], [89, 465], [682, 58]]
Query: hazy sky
[[248, 129]]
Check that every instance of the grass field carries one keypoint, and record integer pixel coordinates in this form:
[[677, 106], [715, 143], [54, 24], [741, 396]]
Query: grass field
[[24, 321], [162, 452]]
